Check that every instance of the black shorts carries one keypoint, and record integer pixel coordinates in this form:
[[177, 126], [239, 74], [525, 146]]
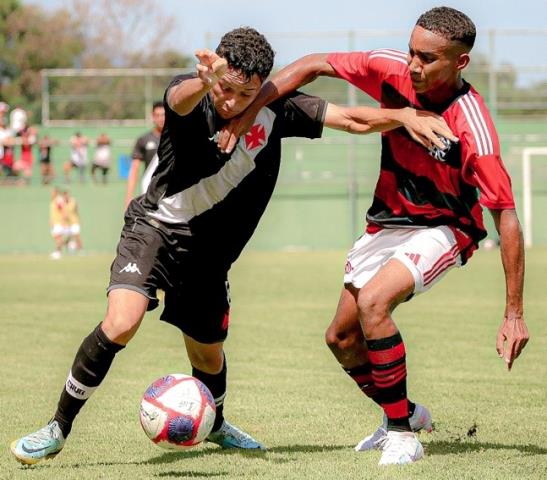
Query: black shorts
[[155, 256]]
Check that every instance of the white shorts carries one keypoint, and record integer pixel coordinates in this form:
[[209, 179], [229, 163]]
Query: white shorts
[[65, 230], [428, 253]]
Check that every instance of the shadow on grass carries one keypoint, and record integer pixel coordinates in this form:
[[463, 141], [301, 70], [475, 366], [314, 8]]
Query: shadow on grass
[[173, 456], [447, 447], [190, 474]]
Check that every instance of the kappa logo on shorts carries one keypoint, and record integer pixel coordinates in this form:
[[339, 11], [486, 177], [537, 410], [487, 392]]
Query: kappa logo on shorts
[[131, 268]]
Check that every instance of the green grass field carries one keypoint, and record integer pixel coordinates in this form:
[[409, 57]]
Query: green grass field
[[284, 386]]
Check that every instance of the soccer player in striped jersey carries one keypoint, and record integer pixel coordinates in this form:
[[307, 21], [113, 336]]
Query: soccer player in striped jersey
[[200, 209], [426, 216]]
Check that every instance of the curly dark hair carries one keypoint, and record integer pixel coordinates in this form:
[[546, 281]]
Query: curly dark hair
[[450, 24], [247, 51]]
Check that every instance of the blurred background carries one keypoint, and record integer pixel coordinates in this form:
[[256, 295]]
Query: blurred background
[[97, 67]]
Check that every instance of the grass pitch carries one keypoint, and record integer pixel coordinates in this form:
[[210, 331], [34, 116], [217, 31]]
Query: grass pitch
[[284, 386]]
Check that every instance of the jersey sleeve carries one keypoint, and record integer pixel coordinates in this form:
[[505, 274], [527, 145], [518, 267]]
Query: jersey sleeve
[[301, 115], [481, 155], [138, 149], [368, 70]]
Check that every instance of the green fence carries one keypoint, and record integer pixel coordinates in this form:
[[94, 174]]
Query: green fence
[[323, 191]]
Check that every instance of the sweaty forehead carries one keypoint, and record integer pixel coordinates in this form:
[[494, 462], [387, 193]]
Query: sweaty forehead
[[423, 40], [237, 79]]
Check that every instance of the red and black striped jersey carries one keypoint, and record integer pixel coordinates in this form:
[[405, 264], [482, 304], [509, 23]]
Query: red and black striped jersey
[[421, 188]]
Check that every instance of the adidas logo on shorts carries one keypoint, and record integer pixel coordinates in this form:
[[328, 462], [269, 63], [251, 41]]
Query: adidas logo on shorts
[[131, 268]]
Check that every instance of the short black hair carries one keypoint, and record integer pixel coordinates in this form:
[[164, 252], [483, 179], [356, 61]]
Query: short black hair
[[157, 104], [450, 24], [247, 51]]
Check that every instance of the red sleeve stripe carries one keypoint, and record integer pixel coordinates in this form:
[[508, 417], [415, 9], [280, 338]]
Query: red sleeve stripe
[[475, 119], [389, 54]]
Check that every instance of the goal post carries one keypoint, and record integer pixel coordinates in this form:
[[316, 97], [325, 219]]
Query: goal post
[[106, 96], [527, 155]]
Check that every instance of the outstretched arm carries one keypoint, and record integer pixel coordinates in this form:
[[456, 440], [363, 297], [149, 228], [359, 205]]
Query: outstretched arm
[[513, 333], [424, 127], [288, 79], [184, 97]]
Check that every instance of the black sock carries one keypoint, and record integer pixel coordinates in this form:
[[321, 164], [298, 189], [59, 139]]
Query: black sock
[[216, 383], [411, 408], [90, 366], [362, 376]]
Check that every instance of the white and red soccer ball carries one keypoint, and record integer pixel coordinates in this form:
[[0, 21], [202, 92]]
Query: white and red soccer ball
[[177, 411]]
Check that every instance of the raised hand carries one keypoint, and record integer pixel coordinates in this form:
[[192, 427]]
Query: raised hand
[[211, 67]]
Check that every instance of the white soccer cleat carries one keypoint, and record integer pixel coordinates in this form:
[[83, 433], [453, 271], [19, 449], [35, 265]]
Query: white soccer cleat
[[373, 442], [420, 420], [401, 448]]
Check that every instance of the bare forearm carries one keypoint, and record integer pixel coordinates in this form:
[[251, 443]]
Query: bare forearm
[[512, 257], [360, 120], [185, 96], [132, 181]]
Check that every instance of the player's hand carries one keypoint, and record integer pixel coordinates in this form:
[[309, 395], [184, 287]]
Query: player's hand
[[512, 338], [425, 128], [230, 133], [211, 67]]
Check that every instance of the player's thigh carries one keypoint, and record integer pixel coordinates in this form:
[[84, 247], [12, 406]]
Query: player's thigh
[[429, 254], [392, 284]]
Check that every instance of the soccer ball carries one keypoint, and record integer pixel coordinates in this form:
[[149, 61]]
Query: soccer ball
[[177, 411]]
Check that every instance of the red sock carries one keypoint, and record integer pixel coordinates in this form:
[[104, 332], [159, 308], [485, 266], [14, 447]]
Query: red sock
[[388, 360]]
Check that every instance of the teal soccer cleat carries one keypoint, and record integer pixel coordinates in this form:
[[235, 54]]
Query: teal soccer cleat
[[43, 444], [228, 436]]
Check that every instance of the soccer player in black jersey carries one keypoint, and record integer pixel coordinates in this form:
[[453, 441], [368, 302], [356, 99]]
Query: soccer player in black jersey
[[199, 211]]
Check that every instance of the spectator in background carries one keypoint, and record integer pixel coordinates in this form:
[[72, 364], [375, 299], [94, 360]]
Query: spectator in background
[[145, 150], [23, 166], [18, 120], [46, 168], [4, 109], [6, 148], [102, 158], [78, 156], [57, 222], [72, 222]]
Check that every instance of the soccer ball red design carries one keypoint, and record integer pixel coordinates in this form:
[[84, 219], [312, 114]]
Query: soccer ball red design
[[177, 411]]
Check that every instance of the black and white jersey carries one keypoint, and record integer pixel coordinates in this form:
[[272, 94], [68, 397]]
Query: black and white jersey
[[221, 197], [145, 148]]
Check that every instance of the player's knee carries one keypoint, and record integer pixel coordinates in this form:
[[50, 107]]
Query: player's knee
[[119, 329], [207, 362], [374, 308], [339, 340]]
